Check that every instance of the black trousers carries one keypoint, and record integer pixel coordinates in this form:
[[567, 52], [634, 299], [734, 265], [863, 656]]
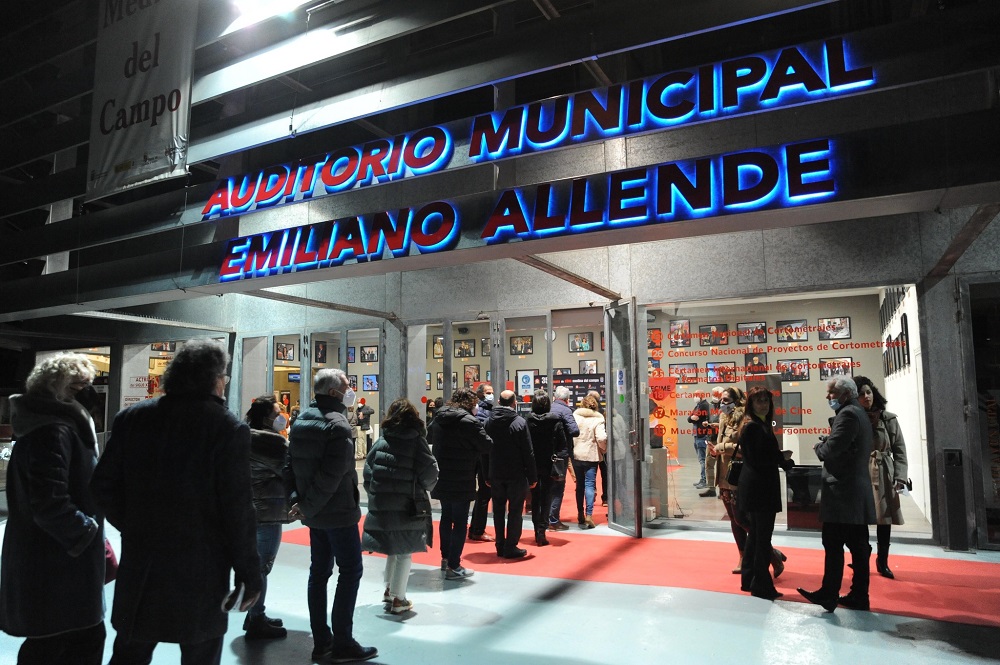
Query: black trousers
[[757, 554], [541, 502], [855, 537], [77, 647], [481, 506], [508, 511], [208, 652]]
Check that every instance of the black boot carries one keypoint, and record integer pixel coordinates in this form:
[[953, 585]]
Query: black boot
[[258, 628], [540, 538]]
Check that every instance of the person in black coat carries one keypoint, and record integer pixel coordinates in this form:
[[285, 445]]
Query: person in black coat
[[548, 440], [561, 408], [268, 456], [481, 505], [52, 572], [759, 491], [512, 472], [175, 481], [458, 440], [847, 505]]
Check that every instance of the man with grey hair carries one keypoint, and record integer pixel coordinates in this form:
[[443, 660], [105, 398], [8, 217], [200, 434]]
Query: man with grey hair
[[846, 503], [560, 407], [323, 481], [175, 480]]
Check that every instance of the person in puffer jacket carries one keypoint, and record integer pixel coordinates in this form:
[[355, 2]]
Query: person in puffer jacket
[[268, 455], [458, 440]]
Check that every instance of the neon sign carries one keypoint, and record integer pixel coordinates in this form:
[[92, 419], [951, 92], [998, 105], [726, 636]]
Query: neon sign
[[432, 228], [748, 84], [786, 176]]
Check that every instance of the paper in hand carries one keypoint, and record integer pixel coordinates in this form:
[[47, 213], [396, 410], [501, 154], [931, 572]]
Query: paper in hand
[[232, 602]]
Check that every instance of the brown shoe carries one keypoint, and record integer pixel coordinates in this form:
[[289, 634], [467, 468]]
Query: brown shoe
[[589, 522], [482, 538]]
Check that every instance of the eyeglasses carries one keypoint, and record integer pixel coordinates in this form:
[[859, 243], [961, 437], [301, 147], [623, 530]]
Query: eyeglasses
[[225, 378], [80, 384]]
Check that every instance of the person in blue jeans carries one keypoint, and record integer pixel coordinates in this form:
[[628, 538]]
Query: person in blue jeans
[[458, 441], [268, 454], [323, 483], [702, 430], [588, 449]]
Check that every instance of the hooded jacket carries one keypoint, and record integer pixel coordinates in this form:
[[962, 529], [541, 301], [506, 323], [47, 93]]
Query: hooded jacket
[[52, 570], [458, 440], [512, 457], [592, 442]]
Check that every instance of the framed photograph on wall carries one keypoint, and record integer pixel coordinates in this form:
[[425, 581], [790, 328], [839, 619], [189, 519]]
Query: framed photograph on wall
[[581, 342], [440, 380], [484, 346], [796, 330], [833, 367], [602, 340], [454, 381], [465, 348], [654, 338], [522, 345], [793, 369], [319, 352], [471, 375], [791, 408], [751, 333], [686, 373], [284, 351], [561, 371], [756, 363], [427, 381], [369, 354], [721, 372], [369, 383], [437, 346], [588, 367], [163, 346], [714, 334], [837, 327], [350, 354], [680, 333], [353, 380]]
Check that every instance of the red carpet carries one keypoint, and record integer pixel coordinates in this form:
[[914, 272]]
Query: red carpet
[[929, 588]]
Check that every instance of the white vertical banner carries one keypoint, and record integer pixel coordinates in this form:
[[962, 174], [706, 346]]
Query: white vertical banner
[[142, 93]]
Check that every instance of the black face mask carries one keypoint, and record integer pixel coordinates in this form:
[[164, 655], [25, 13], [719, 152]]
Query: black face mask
[[88, 397]]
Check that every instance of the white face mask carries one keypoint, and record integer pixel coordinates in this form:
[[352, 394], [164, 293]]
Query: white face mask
[[727, 408], [489, 397], [279, 423], [349, 397], [475, 409]]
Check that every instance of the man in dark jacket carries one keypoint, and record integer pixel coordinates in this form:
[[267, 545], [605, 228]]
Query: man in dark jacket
[[512, 471], [324, 486], [548, 440], [561, 408], [847, 506], [481, 506], [180, 496]]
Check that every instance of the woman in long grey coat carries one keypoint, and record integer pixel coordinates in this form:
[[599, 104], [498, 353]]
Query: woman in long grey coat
[[887, 466], [399, 471]]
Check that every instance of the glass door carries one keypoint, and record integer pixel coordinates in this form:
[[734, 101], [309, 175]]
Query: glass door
[[624, 447]]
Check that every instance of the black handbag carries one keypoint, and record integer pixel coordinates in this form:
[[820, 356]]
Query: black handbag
[[558, 468], [735, 468]]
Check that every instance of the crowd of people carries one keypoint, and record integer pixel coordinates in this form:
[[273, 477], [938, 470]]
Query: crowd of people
[[193, 516]]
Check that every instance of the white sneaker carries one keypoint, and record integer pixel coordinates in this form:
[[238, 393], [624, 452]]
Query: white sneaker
[[459, 573], [400, 606]]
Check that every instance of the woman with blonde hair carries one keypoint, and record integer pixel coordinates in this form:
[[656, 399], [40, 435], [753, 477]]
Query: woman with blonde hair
[[53, 564], [588, 451]]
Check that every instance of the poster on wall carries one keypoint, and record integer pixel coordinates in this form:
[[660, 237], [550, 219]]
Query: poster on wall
[[579, 385], [663, 431]]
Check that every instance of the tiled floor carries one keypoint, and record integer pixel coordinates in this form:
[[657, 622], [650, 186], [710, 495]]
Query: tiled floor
[[494, 618]]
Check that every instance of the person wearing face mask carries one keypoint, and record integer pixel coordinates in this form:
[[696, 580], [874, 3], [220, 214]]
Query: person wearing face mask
[[887, 466], [713, 437], [323, 480], [268, 453], [846, 506], [759, 493], [52, 572]]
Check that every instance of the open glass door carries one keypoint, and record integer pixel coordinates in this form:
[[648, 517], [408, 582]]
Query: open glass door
[[624, 446]]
